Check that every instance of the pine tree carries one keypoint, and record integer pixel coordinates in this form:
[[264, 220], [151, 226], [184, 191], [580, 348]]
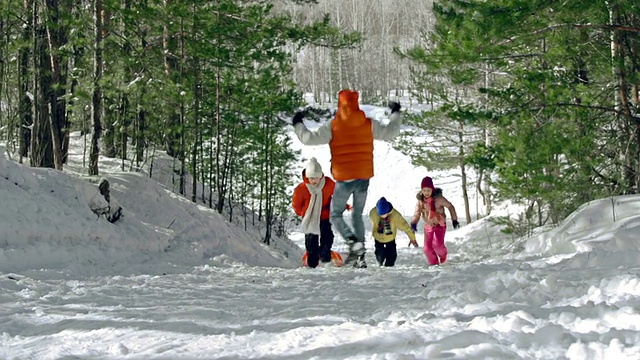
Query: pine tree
[[555, 119]]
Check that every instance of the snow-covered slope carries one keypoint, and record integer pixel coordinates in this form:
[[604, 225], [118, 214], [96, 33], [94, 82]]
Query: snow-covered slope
[[608, 224], [46, 222]]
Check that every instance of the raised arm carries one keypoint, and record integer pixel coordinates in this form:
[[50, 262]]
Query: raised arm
[[389, 131], [392, 129], [308, 137]]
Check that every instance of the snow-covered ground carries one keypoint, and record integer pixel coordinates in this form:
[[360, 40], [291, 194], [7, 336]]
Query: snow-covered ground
[[172, 280]]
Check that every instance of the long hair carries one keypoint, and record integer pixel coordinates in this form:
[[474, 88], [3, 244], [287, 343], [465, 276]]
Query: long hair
[[430, 200]]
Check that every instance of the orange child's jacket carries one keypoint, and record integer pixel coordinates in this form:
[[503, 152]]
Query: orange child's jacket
[[302, 197]]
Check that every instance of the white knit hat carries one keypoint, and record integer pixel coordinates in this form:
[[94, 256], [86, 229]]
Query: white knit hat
[[313, 169]]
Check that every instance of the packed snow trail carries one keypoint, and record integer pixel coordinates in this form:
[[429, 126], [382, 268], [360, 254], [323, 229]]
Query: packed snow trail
[[506, 310]]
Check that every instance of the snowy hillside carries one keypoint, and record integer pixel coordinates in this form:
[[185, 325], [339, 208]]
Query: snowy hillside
[[46, 222]]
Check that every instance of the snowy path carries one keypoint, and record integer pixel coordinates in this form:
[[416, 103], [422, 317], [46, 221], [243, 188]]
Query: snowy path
[[500, 311]]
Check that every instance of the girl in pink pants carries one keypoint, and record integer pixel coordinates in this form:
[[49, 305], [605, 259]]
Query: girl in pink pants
[[430, 208], [434, 247]]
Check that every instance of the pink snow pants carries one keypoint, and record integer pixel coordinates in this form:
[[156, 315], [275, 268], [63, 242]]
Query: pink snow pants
[[434, 247]]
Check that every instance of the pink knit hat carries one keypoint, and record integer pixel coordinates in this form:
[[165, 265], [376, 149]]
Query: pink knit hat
[[427, 183]]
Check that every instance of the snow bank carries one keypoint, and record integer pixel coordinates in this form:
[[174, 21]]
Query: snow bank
[[609, 224], [46, 223]]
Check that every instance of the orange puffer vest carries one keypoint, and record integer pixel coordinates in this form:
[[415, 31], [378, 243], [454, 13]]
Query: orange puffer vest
[[351, 140]]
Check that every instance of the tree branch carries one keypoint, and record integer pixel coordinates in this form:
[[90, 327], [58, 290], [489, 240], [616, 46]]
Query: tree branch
[[601, 108], [575, 26]]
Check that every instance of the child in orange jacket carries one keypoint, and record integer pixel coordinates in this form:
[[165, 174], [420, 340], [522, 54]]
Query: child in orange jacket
[[312, 200], [430, 208]]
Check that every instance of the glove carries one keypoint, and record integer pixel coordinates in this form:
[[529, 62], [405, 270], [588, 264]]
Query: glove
[[455, 223], [413, 242], [394, 106], [349, 207], [297, 118], [414, 227]]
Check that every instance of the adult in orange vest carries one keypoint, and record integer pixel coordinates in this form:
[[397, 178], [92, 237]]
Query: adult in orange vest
[[350, 137], [311, 200]]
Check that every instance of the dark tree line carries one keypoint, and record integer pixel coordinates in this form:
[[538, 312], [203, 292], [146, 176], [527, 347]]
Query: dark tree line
[[208, 82], [544, 97]]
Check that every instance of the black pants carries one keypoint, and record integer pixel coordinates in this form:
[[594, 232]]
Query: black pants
[[386, 253], [319, 251]]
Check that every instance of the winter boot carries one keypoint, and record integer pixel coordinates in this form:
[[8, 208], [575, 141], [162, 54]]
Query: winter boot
[[325, 255], [379, 258], [360, 263], [356, 249]]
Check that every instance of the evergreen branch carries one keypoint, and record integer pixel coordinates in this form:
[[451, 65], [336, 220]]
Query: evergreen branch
[[513, 56], [595, 107], [575, 26], [605, 178], [232, 16]]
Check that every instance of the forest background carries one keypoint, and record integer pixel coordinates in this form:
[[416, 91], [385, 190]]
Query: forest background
[[539, 98]]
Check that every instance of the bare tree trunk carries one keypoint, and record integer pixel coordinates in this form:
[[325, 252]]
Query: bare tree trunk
[[108, 136], [182, 155], [463, 173], [266, 178], [197, 144], [213, 154], [172, 137], [479, 191], [140, 126], [97, 89], [41, 149], [224, 173], [4, 81], [214, 167], [112, 103], [485, 184], [141, 117], [486, 189], [24, 102], [232, 200], [56, 38], [219, 178], [622, 99], [123, 125], [69, 108], [635, 98]]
